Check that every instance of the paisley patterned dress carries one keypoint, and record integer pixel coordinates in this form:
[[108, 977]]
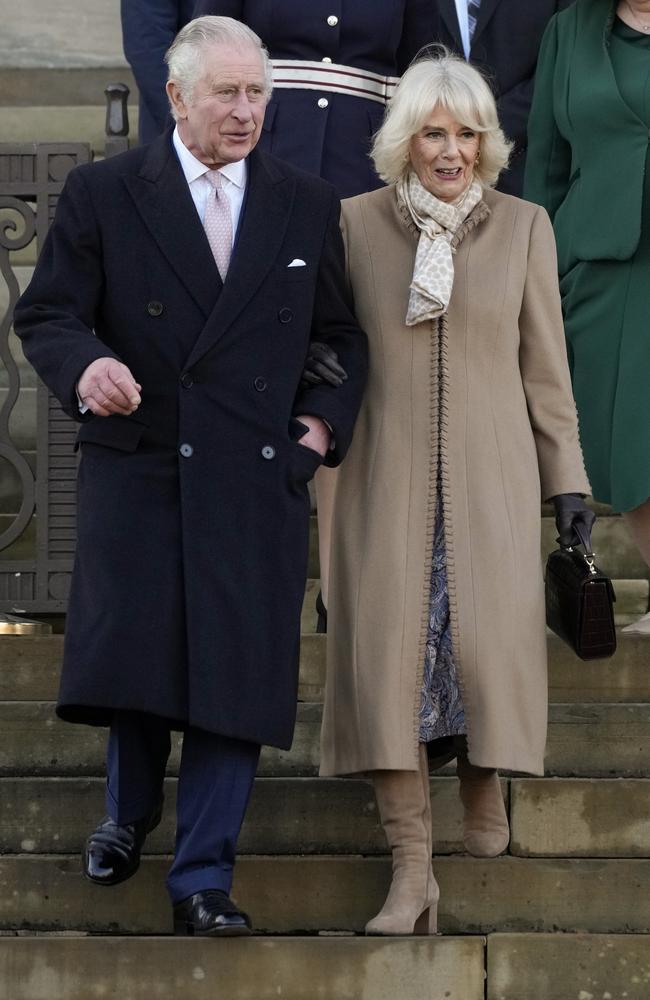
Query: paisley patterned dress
[[441, 707]]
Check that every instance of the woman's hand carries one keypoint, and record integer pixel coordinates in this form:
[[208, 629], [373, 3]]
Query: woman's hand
[[573, 520], [322, 366]]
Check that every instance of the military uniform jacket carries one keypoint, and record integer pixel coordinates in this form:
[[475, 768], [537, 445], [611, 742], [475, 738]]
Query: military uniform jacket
[[326, 133]]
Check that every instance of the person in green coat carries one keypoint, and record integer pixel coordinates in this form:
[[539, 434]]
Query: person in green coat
[[589, 143]]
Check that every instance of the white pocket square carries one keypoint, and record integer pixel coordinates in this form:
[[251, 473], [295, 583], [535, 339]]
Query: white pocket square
[[297, 262]]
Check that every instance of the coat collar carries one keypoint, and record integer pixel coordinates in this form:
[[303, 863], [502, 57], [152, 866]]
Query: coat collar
[[163, 199], [265, 219], [478, 214]]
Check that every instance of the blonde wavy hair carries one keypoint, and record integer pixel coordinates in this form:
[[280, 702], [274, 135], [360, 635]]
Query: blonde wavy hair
[[440, 79]]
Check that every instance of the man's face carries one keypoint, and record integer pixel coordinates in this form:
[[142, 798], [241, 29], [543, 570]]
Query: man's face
[[221, 121]]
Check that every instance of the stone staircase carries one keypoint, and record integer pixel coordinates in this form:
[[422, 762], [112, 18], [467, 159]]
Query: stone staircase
[[55, 61], [565, 915]]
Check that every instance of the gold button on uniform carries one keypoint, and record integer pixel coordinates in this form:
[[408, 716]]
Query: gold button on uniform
[[332, 20], [322, 102]]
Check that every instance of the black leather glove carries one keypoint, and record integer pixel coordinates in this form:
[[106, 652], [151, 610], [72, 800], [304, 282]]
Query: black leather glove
[[322, 365], [573, 520]]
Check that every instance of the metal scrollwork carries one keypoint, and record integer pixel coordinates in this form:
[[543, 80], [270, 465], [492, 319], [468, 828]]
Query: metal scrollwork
[[14, 238]]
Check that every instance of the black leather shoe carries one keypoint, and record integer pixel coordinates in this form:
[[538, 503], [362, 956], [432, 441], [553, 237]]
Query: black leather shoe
[[210, 913], [112, 852]]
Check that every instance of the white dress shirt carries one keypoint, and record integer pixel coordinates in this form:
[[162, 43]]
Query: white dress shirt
[[463, 24], [234, 181]]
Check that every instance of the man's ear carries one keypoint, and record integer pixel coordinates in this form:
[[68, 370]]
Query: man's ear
[[176, 98]]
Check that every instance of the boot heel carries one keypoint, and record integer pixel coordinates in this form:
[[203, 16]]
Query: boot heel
[[427, 922]]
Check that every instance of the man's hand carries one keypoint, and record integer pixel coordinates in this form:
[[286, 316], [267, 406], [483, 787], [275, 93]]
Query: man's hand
[[318, 437], [107, 386]]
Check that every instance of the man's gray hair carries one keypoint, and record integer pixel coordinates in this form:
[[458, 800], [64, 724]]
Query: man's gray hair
[[184, 56]]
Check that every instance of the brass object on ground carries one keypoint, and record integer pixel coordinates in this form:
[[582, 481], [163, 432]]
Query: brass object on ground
[[13, 625]]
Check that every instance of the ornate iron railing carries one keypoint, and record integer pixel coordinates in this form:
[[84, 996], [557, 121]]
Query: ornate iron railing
[[31, 178]]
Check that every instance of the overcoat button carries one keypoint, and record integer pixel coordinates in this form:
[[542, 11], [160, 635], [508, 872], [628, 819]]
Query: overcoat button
[[323, 102], [268, 451], [285, 315], [186, 450], [186, 380], [332, 20], [155, 308], [260, 384]]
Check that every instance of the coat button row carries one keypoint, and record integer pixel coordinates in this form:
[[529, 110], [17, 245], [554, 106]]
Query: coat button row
[[186, 380], [268, 452], [332, 20], [261, 384], [285, 315], [154, 308], [186, 450]]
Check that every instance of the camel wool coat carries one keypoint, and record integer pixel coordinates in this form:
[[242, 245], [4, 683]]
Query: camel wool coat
[[481, 398]]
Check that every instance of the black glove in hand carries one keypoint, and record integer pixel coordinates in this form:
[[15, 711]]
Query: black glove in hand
[[322, 366], [573, 520]]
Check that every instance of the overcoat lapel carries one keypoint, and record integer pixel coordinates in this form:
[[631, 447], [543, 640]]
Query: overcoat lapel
[[163, 199], [266, 216], [448, 14], [485, 12]]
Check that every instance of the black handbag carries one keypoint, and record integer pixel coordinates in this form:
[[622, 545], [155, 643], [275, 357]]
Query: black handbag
[[580, 602]]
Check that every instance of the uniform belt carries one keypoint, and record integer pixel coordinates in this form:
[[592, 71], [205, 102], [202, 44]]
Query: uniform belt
[[334, 78]]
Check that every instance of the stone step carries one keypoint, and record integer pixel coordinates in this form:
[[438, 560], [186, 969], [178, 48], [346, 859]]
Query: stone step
[[29, 670], [76, 968], [568, 967], [558, 817], [74, 123], [285, 816], [589, 740], [64, 86], [511, 967], [592, 818], [68, 33], [310, 894]]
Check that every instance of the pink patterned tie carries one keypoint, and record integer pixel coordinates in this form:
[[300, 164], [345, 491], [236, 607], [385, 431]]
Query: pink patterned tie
[[218, 223]]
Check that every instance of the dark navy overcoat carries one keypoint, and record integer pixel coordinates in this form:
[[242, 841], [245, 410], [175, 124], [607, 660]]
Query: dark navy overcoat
[[381, 36], [148, 29], [193, 513]]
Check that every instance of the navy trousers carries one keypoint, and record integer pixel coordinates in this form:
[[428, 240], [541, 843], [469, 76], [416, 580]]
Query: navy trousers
[[214, 785]]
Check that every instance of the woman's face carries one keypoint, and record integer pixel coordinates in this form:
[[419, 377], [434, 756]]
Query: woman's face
[[443, 154]]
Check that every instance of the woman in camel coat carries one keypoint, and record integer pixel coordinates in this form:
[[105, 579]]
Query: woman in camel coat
[[437, 631]]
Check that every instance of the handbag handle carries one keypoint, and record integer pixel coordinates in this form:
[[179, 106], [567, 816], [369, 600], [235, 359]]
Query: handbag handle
[[584, 535]]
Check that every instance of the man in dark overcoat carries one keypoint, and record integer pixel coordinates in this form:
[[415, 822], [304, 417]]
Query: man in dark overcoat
[[172, 312], [502, 39]]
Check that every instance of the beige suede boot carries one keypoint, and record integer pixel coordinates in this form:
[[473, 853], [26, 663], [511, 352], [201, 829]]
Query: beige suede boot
[[405, 810], [485, 824]]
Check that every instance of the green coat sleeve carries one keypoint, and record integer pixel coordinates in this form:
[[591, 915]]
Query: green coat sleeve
[[548, 164]]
